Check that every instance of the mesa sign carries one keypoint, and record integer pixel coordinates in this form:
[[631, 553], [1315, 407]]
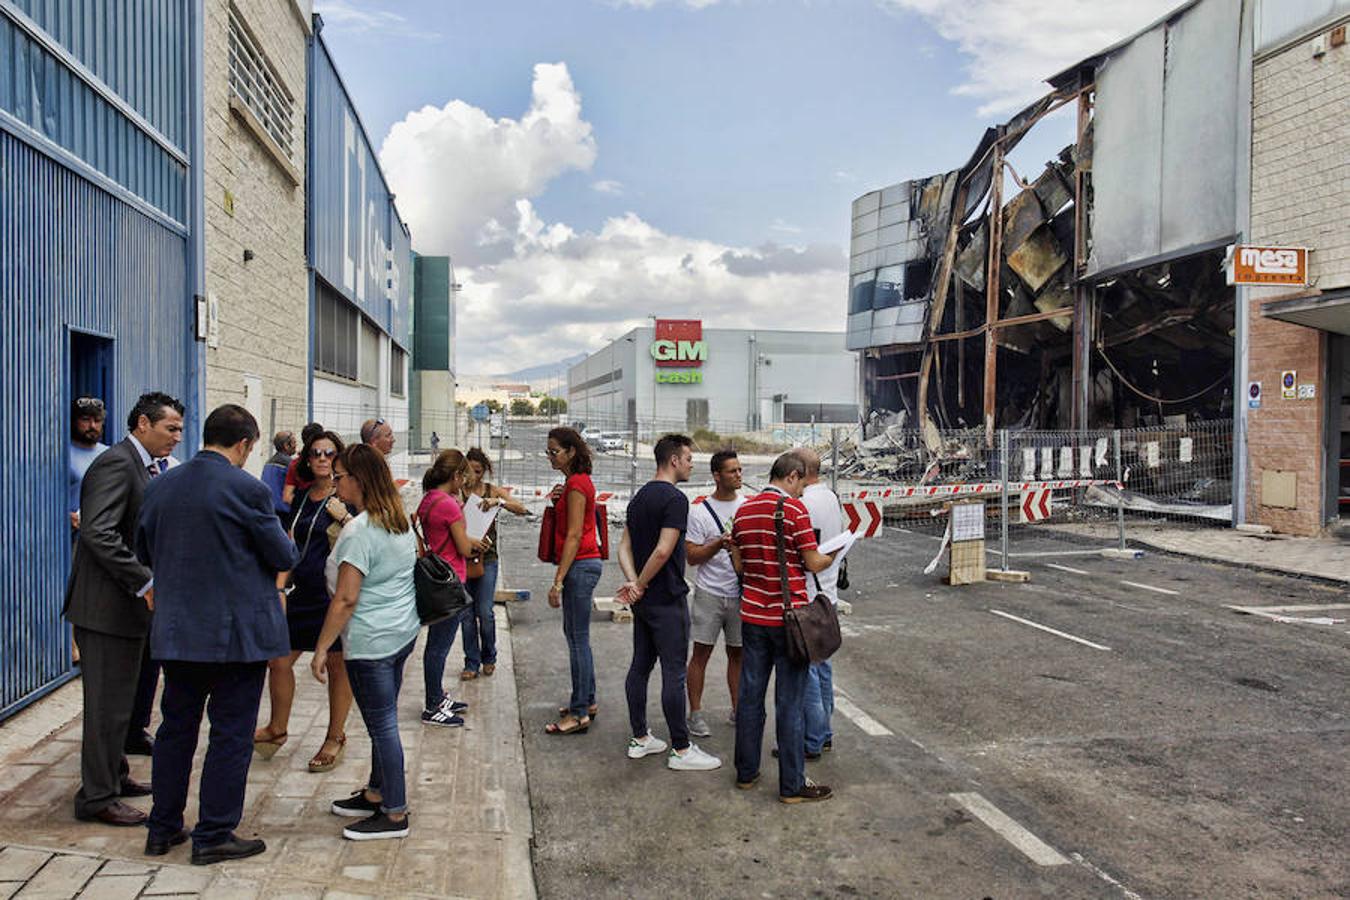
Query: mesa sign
[[679, 351]]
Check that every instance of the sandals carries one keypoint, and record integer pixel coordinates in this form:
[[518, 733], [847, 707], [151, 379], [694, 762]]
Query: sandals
[[268, 747], [591, 712], [488, 669], [468, 675], [325, 762], [559, 728]]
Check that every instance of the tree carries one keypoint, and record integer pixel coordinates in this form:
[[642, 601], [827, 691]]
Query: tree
[[493, 405], [552, 406], [522, 407]]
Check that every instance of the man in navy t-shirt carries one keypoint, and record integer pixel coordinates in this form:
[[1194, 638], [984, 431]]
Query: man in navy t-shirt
[[651, 555]]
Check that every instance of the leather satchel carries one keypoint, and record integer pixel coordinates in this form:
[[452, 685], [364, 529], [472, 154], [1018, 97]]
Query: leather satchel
[[440, 594], [812, 631]]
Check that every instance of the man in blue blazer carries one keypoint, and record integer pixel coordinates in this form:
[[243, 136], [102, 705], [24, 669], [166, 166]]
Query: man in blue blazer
[[209, 532]]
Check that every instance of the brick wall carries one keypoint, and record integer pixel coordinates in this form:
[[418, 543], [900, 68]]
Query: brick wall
[[1300, 196], [263, 304]]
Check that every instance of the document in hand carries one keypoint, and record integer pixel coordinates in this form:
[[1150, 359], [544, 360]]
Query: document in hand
[[476, 521], [843, 542]]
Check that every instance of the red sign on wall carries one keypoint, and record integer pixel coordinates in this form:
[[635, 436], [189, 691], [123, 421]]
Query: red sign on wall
[[678, 343]]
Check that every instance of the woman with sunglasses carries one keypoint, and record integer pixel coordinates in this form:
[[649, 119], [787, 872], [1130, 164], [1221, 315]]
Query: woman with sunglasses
[[374, 609], [313, 513], [480, 624], [577, 550]]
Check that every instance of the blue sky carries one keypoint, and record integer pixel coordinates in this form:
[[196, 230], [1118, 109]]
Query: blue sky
[[679, 131]]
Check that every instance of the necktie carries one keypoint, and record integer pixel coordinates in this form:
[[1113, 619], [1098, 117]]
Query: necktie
[[157, 467]]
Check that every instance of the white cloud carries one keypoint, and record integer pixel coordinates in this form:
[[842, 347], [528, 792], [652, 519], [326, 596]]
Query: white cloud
[[344, 14], [784, 227], [564, 291], [607, 186], [1014, 45], [458, 172]]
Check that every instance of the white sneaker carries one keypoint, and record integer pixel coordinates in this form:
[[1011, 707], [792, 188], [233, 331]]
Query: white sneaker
[[698, 725], [645, 746], [692, 760]]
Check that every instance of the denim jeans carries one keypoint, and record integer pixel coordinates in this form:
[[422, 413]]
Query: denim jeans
[[578, 589], [819, 705], [440, 637], [375, 685], [764, 652], [660, 632], [480, 624]]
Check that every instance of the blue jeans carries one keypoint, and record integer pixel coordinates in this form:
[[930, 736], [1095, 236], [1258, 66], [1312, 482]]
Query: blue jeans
[[764, 652], [375, 686], [819, 705], [440, 637], [578, 589], [480, 623]]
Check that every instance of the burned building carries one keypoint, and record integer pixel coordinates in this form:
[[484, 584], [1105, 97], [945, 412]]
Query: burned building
[[1090, 293]]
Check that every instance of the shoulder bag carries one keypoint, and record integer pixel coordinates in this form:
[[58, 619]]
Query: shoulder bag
[[440, 593], [812, 631]]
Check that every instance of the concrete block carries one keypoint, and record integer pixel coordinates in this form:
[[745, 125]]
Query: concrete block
[[1248, 528], [1117, 553], [1012, 576], [506, 595]]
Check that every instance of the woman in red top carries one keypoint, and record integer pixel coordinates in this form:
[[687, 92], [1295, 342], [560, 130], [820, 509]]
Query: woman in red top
[[578, 553], [442, 524]]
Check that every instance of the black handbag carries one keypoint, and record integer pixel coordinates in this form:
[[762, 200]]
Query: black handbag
[[440, 593], [812, 631]]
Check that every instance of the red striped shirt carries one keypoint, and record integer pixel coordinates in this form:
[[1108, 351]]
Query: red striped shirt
[[753, 531]]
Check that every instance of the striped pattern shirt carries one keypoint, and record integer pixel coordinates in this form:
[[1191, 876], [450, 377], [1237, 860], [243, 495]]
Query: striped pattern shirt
[[753, 532]]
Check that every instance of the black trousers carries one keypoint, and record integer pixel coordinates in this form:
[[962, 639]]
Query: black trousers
[[146, 686], [660, 632], [109, 668], [229, 694]]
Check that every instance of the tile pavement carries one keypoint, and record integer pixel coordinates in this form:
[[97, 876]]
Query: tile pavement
[[471, 831]]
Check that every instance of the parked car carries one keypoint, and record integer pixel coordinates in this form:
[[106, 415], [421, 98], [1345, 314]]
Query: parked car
[[612, 440], [591, 436], [500, 432]]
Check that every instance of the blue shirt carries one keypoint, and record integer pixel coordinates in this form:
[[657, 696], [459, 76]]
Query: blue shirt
[[385, 619], [80, 458]]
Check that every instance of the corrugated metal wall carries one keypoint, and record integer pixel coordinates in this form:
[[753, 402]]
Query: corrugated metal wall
[[400, 283], [93, 197], [351, 212]]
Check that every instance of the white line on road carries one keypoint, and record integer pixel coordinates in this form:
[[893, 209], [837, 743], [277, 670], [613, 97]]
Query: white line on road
[[1149, 587], [1070, 569], [1035, 849], [1086, 863], [1048, 629], [855, 715]]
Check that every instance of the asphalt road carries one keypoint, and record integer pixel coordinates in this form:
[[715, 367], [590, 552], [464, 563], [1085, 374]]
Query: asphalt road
[[1192, 752]]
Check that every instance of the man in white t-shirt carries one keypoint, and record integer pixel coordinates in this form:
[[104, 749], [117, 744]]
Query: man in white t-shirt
[[827, 521], [715, 605]]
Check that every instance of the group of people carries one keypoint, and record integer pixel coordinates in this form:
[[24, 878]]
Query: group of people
[[224, 580], [742, 586]]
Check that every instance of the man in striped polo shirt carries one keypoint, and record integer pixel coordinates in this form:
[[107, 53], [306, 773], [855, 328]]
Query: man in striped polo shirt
[[763, 645]]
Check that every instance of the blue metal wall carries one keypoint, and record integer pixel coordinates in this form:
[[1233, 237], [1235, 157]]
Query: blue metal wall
[[92, 240], [355, 226]]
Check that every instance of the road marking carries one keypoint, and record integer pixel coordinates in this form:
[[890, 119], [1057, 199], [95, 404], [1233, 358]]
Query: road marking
[[1149, 587], [1048, 629], [1035, 849], [1087, 864], [1070, 569], [855, 715]]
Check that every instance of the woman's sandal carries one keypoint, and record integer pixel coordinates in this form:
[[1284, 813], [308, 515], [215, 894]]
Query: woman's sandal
[[558, 728], [268, 747], [591, 713], [325, 762], [468, 675]]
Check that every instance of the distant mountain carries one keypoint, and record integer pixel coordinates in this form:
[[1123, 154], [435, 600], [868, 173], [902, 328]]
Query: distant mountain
[[542, 373]]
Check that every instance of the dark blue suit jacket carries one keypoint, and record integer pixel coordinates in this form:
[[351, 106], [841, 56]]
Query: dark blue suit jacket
[[209, 532]]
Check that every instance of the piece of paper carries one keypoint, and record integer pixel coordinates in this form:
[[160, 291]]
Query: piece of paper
[[476, 521], [1028, 463], [1065, 469], [1101, 453], [842, 542], [1186, 449], [1084, 462], [1047, 463], [967, 522]]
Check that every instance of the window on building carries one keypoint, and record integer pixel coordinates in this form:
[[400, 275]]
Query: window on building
[[256, 83], [397, 366], [336, 326], [370, 355]]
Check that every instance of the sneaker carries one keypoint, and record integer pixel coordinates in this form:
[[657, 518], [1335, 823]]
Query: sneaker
[[809, 755], [698, 726], [355, 807], [645, 746], [810, 793], [453, 707], [692, 760], [376, 828], [441, 717], [828, 745]]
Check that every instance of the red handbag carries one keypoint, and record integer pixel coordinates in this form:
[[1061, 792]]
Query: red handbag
[[548, 548]]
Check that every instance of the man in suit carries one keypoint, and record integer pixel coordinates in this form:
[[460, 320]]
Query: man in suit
[[210, 532], [108, 602]]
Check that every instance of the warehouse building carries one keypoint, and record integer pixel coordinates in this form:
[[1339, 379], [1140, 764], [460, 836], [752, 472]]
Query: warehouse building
[[678, 375]]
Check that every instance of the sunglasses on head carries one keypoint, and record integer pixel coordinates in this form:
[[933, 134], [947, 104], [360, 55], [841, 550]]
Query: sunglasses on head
[[89, 405], [326, 454]]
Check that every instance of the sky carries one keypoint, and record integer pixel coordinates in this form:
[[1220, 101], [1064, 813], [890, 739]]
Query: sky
[[590, 163]]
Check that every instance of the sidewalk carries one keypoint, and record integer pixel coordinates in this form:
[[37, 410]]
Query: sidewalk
[[471, 821], [1325, 558]]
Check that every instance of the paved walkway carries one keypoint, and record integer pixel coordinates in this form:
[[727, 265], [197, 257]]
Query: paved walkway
[[471, 830], [1327, 558]]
